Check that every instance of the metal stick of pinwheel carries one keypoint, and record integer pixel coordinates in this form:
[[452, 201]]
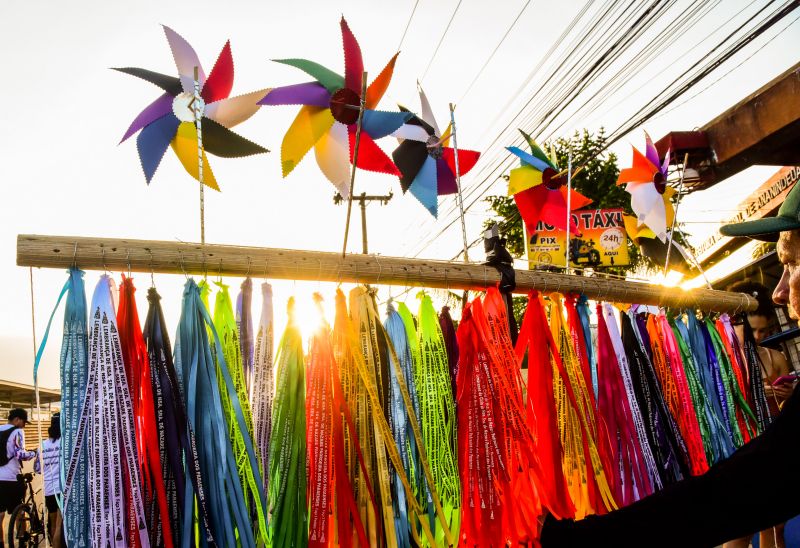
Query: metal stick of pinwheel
[[198, 116], [361, 103], [675, 217], [569, 204], [458, 181]]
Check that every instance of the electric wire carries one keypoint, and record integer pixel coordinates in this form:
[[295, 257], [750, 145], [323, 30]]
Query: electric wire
[[408, 24], [436, 50]]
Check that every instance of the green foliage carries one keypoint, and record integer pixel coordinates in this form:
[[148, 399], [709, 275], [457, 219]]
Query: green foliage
[[597, 180]]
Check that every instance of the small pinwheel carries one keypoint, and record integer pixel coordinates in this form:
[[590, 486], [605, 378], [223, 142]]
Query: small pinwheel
[[646, 182], [329, 115], [425, 161], [540, 191], [170, 119]]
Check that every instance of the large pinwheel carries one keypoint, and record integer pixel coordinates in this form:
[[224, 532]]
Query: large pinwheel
[[427, 165], [329, 115], [540, 190], [170, 119], [646, 182]]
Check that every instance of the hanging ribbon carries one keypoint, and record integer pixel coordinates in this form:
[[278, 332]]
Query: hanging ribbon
[[668, 366], [287, 478], [437, 415], [244, 326], [230, 522], [73, 367], [399, 423], [755, 377], [663, 435], [262, 388], [176, 441], [632, 462], [583, 313], [137, 369], [541, 412], [450, 344], [229, 348], [319, 432], [107, 424], [580, 438]]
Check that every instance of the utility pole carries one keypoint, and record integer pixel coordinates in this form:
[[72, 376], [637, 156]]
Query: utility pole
[[362, 200]]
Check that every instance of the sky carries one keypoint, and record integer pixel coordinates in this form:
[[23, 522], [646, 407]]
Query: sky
[[64, 113]]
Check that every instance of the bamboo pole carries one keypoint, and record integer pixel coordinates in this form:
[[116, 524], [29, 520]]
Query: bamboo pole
[[192, 258]]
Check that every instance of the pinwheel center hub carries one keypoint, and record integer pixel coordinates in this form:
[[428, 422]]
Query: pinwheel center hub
[[435, 147], [185, 107], [344, 106], [659, 182], [551, 179]]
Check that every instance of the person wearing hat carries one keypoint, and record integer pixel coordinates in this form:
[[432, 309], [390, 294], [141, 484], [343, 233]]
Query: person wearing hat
[[12, 438], [732, 499]]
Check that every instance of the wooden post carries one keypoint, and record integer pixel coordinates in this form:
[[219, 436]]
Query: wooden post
[[177, 257], [362, 101]]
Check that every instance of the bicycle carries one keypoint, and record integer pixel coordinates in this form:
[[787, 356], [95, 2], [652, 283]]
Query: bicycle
[[27, 529]]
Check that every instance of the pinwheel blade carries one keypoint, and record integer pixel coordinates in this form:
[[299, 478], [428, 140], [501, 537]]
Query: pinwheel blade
[[380, 84], [523, 178], [310, 124], [648, 205], [426, 111], [185, 146], [155, 110], [424, 187], [529, 203], [650, 151], [537, 151], [325, 76], [378, 123], [153, 141], [169, 84], [446, 180], [220, 81], [353, 61], [370, 156], [466, 159], [308, 93], [235, 110], [331, 152], [186, 60], [412, 131], [409, 157], [220, 141], [529, 159], [641, 170]]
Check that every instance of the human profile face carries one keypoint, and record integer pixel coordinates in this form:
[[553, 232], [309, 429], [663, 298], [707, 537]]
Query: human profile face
[[760, 326], [787, 292]]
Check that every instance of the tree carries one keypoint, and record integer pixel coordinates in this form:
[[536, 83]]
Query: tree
[[597, 180]]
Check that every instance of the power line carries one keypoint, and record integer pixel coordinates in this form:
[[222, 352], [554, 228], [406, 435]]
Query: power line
[[408, 24], [494, 51], [435, 51]]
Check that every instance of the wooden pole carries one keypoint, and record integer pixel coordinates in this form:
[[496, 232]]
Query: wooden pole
[[198, 115], [288, 264], [362, 102]]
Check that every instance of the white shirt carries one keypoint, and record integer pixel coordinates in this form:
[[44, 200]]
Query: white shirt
[[15, 450], [51, 457]]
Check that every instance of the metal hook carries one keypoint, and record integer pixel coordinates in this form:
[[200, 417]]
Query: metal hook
[[152, 271], [265, 268], [319, 274], [103, 253], [180, 254], [75, 256], [128, 260], [247, 274], [380, 269], [219, 272]]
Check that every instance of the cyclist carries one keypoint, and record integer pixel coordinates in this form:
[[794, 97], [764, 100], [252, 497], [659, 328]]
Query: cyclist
[[51, 457], [12, 453]]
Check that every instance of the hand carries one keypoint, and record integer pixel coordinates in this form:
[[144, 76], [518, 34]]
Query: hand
[[783, 391]]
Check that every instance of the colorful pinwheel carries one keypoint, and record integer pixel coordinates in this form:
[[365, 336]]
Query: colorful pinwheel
[[656, 250], [170, 119], [425, 161], [646, 182], [540, 190], [329, 114]]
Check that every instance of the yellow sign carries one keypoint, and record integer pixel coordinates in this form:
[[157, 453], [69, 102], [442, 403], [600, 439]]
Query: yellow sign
[[603, 241]]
